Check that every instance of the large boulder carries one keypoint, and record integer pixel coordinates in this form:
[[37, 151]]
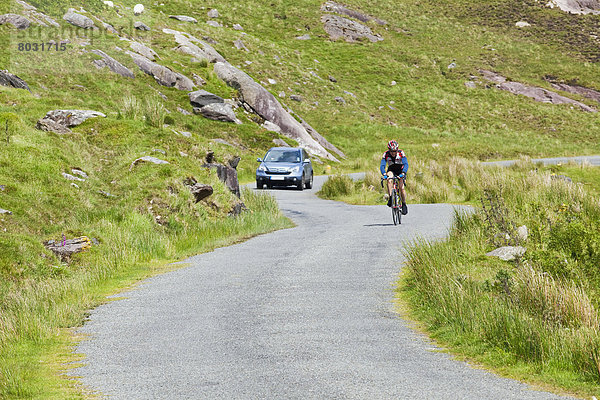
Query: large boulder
[[263, 103], [577, 89], [35, 16], [48, 125], [112, 64], [10, 80], [18, 21], [199, 190], [343, 28], [78, 20], [163, 75], [227, 174], [218, 112], [507, 253], [71, 118], [201, 98]]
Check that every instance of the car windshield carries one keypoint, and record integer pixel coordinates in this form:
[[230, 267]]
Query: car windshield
[[280, 155]]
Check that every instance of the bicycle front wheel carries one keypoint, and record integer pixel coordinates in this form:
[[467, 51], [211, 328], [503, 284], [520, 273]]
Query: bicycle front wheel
[[395, 208]]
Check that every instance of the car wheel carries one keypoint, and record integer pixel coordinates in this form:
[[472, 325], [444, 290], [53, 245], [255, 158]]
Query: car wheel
[[309, 184], [300, 186], [259, 184]]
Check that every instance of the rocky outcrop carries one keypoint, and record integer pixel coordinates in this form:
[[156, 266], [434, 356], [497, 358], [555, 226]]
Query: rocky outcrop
[[343, 28], [577, 6], [35, 16], [112, 64], [218, 112], [227, 173], [576, 89], [263, 103], [70, 118], [331, 6], [188, 44], [10, 80], [143, 50], [534, 92], [78, 20], [67, 247], [49, 125], [164, 76], [18, 21], [201, 98]]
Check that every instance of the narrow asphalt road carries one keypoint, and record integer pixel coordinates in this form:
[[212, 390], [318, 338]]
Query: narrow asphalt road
[[303, 313]]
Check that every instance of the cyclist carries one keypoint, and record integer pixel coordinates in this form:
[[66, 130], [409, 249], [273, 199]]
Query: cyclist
[[397, 165]]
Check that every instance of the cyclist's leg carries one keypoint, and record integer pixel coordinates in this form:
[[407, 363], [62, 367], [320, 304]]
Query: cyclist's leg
[[390, 182], [403, 195]]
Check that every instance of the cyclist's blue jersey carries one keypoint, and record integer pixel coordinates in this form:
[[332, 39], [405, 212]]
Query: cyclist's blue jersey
[[387, 160]]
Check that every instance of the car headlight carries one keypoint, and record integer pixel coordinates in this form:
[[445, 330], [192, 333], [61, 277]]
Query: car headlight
[[295, 169], [262, 168]]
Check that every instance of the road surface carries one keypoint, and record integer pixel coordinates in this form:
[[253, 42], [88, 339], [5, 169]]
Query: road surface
[[302, 313]]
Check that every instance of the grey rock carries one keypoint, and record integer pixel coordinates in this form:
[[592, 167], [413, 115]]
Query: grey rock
[[10, 80], [48, 125], [164, 76], [188, 44], [213, 13], [18, 21], [72, 177], [201, 191], [222, 141], [218, 112], [343, 28], [112, 64], [70, 118], [149, 159], [340, 100], [78, 20], [296, 97], [184, 18], [350, 93], [303, 37], [238, 27], [66, 248], [331, 6], [470, 84], [35, 16], [141, 26], [507, 253], [106, 194], [184, 112], [3, 211], [198, 80], [214, 24], [577, 6], [576, 89], [268, 125], [534, 92], [228, 175], [263, 103], [240, 45], [143, 50], [522, 233], [237, 209], [79, 172], [201, 98], [332, 79]]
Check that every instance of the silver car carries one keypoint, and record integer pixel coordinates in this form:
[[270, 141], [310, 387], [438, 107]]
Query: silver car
[[285, 166]]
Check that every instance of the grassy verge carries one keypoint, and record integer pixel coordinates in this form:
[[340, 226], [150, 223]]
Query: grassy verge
[[34, 340], [534, 318]]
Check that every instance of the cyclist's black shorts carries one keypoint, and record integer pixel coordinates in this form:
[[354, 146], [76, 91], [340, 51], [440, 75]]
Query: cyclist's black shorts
[[395, 168]]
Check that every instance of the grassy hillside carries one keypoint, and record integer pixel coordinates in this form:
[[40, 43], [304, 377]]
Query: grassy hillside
[[150, 216]]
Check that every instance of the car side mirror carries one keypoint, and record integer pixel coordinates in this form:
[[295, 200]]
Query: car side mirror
[[259, 160]]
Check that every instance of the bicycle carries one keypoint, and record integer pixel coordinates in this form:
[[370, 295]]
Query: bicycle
[[396, 203]]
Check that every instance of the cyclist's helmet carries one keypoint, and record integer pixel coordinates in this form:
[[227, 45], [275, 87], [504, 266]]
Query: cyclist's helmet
[[393, 145]]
